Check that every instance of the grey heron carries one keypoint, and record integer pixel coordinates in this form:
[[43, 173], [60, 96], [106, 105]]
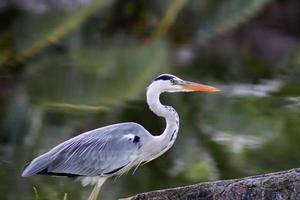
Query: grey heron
[[96, 155]]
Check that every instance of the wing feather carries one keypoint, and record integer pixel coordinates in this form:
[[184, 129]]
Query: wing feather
[[97, 152]]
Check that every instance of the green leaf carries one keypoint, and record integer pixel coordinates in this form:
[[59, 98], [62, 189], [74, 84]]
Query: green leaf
[[228, 15], [36, 31]]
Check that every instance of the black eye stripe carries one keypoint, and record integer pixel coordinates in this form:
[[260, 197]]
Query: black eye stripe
[[164, 77]]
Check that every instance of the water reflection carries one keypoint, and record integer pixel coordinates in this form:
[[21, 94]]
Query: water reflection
[[96, 74], [260, 90], [218, 133]]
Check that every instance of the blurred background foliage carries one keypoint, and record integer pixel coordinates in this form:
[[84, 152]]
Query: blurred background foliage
[[68, 66]]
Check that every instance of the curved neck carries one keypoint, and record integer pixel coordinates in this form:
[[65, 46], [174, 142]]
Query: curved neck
[[167, 138]]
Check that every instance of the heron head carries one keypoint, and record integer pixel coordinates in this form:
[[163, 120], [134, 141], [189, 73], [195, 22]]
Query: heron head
[[171, 83]]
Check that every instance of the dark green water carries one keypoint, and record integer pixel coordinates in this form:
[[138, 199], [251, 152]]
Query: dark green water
[[63, 73]]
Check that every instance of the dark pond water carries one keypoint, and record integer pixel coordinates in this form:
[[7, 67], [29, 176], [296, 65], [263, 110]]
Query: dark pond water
[[96, 74]]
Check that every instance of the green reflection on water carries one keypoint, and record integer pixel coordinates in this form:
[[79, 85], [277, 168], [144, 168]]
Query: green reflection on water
[[94, 78]]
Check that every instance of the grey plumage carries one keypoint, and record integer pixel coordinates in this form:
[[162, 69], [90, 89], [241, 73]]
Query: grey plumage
[[98, 152]]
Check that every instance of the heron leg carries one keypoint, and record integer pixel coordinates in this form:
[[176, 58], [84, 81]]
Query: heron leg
[[95, 192]]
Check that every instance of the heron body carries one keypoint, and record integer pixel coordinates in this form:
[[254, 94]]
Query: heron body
[[96, 155]]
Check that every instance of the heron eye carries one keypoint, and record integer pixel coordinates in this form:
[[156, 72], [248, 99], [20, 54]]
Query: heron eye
[[173, 81]]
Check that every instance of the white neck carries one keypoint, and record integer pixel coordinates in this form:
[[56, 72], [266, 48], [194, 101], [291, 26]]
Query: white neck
[[167, 138]]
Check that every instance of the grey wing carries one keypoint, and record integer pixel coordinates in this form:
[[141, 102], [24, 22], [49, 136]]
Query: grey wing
[[97, 152]]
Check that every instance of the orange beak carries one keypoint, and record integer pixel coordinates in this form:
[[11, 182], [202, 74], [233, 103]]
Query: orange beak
[[199, 87]]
